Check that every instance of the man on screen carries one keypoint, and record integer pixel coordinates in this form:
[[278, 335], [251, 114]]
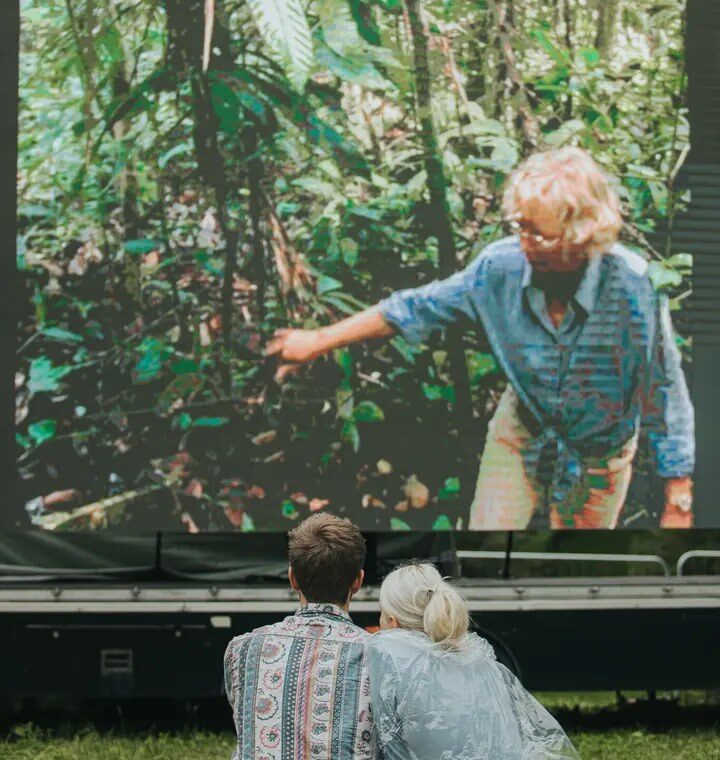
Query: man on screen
[[584, 340]]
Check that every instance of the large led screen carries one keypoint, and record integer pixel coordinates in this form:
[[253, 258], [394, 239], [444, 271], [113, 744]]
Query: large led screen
[[412, 264]]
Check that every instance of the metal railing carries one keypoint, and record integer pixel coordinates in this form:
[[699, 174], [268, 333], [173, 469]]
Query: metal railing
[[653, 559], [693, 554]]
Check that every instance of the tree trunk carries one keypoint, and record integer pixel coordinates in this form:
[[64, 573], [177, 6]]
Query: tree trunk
[[609, 17], [256, 265], [186, 28], [568, 24], [439, 210], [512, 87]]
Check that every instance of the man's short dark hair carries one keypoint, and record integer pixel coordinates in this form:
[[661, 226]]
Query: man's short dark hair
[[326, 556]]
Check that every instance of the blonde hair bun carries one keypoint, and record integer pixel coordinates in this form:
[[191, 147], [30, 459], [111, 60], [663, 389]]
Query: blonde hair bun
[[420, 599]]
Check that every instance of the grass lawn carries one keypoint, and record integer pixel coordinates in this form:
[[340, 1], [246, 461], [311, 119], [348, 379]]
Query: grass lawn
[[90, 745], [599, 728]]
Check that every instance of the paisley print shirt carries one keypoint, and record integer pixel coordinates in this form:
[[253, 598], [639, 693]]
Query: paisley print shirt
[[299, 689]]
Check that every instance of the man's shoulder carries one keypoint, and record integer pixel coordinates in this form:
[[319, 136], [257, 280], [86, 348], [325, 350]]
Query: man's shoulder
[[243, 639], [293, 627]]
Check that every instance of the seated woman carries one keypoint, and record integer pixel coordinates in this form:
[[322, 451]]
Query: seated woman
[[437, 691]]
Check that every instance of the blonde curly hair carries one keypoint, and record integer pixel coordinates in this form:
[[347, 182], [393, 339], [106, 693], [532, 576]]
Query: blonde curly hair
[[571, 185]]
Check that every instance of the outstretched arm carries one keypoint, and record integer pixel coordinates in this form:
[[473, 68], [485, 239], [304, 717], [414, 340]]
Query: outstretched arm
[[297, 347], [414, 313]]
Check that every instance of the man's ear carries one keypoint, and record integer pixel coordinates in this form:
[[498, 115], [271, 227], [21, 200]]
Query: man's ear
[[292, 579], [357, 583]]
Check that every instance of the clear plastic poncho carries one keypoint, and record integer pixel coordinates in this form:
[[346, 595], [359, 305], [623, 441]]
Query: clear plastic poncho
[[433, 704]]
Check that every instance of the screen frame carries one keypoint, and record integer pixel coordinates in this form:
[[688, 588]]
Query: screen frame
[[701, 174]]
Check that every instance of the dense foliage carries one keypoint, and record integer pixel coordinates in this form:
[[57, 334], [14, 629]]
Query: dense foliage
[[194, 175]]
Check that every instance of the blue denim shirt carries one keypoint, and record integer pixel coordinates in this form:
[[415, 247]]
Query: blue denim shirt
[[585, 387]]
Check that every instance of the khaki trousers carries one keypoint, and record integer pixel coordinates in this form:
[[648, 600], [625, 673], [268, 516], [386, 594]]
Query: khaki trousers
[[506, 499]]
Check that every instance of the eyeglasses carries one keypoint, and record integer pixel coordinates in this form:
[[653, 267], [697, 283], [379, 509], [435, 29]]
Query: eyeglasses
[[528, 230]]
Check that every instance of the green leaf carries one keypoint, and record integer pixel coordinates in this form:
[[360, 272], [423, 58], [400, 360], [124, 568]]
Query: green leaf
[[681, 260], [226, 105], [64, 336], [44, 377], [660, 194], [177, 150], [339, 28], [366, 24], [345, 152], [481, 365], [367, 213], [150, 363], [23, 440], [442, 522], [34, 210], [185, 366], [288, 510], [316, 186], [184, 421], [590, 55], [43, 430], [351, 434], [663, 276], [439, 392], [407, 350], [285, 30], [504, 156], [143, 245], [564, 133], [354, 70], [248, 524], [368, 411], [559, 56], [326, 284], [344, 358], [349, 250], [449, 490], [397, 524], [210, 422], [416, 186]]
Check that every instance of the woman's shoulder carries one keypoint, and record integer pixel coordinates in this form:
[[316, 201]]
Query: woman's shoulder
[[397, 637], [407, 643]]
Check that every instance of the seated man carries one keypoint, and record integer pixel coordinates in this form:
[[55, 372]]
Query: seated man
[[299, 688]]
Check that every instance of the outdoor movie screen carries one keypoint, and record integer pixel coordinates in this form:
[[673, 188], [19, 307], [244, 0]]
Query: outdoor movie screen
[[409, 265]]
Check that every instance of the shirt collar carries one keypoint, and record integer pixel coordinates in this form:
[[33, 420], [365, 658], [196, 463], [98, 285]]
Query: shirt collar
[[587, 292], [323, 608]]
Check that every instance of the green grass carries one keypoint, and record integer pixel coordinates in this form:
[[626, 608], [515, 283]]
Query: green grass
[[31, 744], [599, 728], [639, 745], [90, 745]]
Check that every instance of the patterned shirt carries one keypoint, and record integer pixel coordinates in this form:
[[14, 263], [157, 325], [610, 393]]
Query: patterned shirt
[[585, 387], [299, 689]]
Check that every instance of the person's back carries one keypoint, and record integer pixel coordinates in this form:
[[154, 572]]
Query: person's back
[[438, 692], [299, 688]]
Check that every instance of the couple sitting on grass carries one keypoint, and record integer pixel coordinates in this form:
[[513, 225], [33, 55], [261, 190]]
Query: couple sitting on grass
[[316, 687]]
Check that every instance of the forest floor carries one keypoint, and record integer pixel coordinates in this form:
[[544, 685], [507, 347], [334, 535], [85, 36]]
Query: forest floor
[[684, 728]]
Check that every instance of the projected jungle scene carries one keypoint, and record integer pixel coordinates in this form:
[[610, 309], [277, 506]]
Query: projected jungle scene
[[485, 189]]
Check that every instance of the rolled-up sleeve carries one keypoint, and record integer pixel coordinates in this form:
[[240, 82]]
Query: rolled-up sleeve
[[668, 415], [416, 313]]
